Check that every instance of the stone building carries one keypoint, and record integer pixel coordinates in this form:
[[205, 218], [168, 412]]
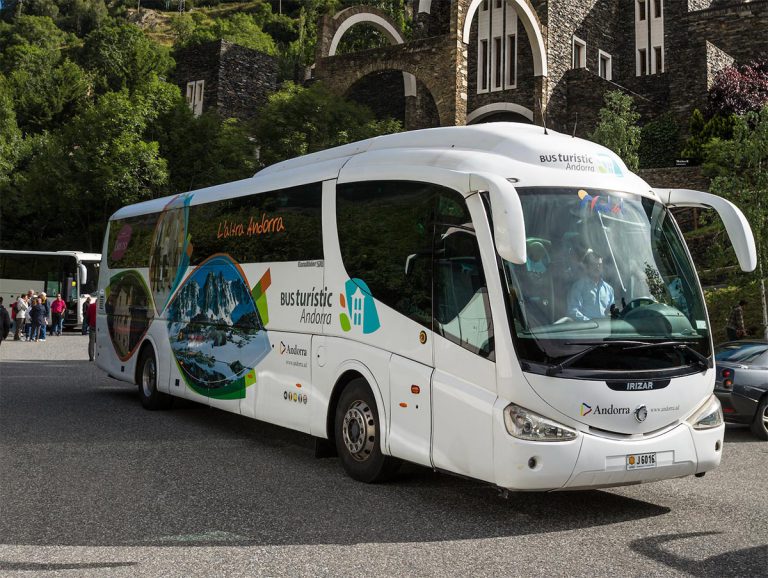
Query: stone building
[[230, 78], [477, 60]]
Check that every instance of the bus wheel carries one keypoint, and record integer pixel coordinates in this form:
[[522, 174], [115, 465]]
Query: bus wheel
[[358, 435], [150, 397]]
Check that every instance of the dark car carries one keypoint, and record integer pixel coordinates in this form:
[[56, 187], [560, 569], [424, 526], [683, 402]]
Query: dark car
[[742, 383]]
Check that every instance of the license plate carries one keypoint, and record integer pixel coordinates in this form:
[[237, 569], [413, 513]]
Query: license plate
[[641, 461]]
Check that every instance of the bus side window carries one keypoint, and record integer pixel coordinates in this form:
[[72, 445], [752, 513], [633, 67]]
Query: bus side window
[[462, 307]]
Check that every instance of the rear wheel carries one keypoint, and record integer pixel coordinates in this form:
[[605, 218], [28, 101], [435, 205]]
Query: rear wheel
[[150, 397], [760, 421], [358, 435]]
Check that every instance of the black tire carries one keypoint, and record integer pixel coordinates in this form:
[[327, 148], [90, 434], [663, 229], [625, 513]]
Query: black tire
[[760, 421], [150, 397], [357, 432]]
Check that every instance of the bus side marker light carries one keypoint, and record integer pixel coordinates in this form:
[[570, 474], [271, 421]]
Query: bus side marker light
[[403, 404], [415, 389]]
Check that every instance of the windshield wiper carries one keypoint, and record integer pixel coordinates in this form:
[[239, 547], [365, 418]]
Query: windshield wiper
[[568, 361], [705, 362]]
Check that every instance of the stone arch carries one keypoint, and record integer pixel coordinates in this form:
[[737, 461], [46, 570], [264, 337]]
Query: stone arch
[[530, 20], [489, 109], [345, 19]]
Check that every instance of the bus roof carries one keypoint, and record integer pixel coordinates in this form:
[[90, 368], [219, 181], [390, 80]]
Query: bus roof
[[79, 254], [523, 152]]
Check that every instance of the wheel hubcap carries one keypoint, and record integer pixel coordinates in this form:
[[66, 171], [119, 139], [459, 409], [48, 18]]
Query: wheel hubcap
[[765, 418], [148, 378], [359, 430]]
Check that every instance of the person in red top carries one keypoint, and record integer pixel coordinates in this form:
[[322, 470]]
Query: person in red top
[[58, 311], [92, 331]]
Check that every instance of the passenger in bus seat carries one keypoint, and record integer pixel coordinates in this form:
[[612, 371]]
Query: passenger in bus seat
[[591, 296]]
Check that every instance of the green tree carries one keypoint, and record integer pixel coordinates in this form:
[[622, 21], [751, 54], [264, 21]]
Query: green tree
[[79, 175], [10, 135], [739, 168], [121, 56], [617, 127], [82, 16], [206, 150], [299, 120], [241, 28]]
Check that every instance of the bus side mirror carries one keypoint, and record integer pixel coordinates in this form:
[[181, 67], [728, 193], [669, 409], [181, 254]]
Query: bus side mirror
[[508, 222], [736, 224], [83, 274]]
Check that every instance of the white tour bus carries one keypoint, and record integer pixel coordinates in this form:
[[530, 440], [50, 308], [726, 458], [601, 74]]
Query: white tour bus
[[73, 274], [494, 301]]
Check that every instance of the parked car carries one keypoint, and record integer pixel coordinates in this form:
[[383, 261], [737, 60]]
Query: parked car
[[741, 384]]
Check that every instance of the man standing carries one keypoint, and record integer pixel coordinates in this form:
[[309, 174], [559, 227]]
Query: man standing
[[92, 331], [58, 309], [735, 326]]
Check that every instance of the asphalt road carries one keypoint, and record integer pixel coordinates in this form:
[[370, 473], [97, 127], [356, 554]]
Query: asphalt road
[[91, 484]]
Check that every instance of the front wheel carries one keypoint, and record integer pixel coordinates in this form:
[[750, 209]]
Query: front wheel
[[358, 435], [149, 395], [760, 421]]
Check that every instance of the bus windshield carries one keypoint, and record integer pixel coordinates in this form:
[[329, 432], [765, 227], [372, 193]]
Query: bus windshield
[[608, 286]]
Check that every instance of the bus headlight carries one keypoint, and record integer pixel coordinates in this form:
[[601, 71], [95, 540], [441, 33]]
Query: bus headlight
[[709, 415], [526, 425]]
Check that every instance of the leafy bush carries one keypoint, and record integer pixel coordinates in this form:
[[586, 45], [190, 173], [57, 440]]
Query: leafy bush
[[659, 142], [737, 90], [703, 132]]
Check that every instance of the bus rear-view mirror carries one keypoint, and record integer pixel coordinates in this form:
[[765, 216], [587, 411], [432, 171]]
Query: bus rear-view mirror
[[736, 224], [83, 274], [507, 212]]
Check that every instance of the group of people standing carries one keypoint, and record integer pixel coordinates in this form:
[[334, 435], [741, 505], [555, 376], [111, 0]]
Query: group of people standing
[[30, 314]]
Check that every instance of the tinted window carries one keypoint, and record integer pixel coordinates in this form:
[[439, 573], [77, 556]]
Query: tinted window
[[284, 225], [130, 241], [386, 232], [743, 353], [462, 307]]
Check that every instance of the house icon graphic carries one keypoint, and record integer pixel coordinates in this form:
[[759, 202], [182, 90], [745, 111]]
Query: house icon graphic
[[361, 306]]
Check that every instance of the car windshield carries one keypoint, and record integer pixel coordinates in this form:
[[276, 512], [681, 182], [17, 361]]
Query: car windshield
[[744, 352], [608, 285]]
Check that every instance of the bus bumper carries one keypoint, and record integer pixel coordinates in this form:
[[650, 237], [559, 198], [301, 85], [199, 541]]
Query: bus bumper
[[592, 461], [679, 452]]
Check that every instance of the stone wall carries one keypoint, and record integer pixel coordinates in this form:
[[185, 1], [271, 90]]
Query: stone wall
[[680, 178], [523, 94], [717, 60], [238, 80], [246, 79], [382, 92], [199, 63]]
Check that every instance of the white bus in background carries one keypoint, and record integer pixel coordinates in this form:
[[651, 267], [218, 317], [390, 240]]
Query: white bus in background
[[423, 296], [74, 274]]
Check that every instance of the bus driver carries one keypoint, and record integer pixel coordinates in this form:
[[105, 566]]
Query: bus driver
[[591, 296]]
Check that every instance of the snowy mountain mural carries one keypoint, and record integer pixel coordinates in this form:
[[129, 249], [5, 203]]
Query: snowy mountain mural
[[215, 330]]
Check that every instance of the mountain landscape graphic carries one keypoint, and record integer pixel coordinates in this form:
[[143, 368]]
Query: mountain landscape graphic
[[215, 330]]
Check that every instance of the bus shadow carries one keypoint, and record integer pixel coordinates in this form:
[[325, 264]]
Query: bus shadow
[[197, 476], [742, 562]]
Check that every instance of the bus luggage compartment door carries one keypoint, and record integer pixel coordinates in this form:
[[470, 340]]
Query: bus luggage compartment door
[[410, 431]]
